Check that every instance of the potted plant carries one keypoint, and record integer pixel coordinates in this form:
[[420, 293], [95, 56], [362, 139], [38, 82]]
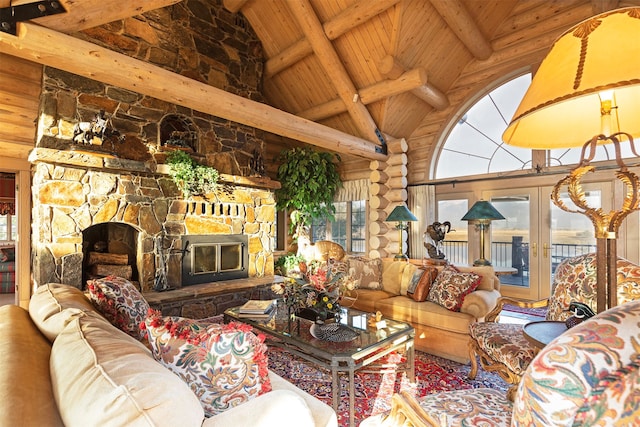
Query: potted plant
[[309, 180], [191, 177]]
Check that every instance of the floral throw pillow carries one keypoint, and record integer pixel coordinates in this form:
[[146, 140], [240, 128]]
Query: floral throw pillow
[[367, 272], [451, 286], [225, 365], [120, 302]]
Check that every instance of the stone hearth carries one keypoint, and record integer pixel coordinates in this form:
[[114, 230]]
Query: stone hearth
[[74, 190]]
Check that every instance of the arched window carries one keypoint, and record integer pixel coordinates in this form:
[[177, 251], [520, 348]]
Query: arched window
[[475, 147]]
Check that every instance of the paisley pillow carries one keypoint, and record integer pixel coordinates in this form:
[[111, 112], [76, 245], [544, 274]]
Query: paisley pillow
[[451, 286], [120, 302], [225, 365]]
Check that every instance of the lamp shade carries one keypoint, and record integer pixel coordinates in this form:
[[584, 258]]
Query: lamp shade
[[482, 211], [401, 213], [562, 107]]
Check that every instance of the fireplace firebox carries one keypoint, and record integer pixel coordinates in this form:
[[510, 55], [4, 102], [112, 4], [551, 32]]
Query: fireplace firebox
[[211, 258]]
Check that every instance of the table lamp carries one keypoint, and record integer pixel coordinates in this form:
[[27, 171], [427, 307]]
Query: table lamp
[[585, 94], [482, 213], [402, 215]]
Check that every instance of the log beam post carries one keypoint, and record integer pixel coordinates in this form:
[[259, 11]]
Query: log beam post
[[333, 66], [48, 47]]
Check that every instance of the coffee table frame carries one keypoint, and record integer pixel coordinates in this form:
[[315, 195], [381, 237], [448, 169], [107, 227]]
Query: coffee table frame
[[372, 345]]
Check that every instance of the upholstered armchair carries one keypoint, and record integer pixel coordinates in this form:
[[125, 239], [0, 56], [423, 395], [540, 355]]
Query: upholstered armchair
[[502, 347], [589, 375]]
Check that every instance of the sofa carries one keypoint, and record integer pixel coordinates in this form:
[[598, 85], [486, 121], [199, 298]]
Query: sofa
[[441, 330], [588, 376], [70, 366]]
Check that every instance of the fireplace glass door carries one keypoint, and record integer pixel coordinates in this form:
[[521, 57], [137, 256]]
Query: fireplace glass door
[[211, 258]]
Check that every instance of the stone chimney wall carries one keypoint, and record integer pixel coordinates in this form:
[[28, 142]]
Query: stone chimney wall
[[116, 179]]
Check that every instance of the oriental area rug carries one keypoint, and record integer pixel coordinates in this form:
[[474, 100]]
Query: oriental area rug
[[374, 390]]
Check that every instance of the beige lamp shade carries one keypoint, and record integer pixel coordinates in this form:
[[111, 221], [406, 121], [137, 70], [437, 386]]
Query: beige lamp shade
[[561, 108]]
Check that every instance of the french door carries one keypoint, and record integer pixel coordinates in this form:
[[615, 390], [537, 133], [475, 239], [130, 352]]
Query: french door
[[536, 236]]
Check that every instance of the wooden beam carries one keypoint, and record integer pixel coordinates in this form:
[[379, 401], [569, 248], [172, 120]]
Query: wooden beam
[[48, 47], [381, 90], [234, 6], [348, 19], [462, 24], [430, 94], [333, 67], [601, 6], [83, 14]]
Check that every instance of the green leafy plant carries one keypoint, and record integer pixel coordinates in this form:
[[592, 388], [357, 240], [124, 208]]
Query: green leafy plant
[[289, 263], [191, 177], [309, 180]]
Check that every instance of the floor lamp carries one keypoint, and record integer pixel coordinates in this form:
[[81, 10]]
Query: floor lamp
[[588, 89]]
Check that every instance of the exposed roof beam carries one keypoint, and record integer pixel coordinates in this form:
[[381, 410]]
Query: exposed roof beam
[[348, 19], [83, 14], [461, 23], [430, 94], [234, 6], [48, 47], [381, 90], [334, 68]]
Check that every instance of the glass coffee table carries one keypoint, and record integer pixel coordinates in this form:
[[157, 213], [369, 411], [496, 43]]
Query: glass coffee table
[[363, 353]]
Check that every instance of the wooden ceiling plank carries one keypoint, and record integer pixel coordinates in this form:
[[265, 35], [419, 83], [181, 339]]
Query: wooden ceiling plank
[[433, 96], [374, 93], [333, 67], [353, 16], [83, 14], [601, 6], [462, 24], [48, 47]]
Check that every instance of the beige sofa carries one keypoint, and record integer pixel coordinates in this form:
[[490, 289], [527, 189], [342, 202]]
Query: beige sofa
[[65, 364], [439, 331]]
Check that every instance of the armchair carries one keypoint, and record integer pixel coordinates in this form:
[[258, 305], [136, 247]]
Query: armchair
[[502, 347], [590, 375]]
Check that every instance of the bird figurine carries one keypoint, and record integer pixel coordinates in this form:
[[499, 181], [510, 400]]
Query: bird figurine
[[335, 332]]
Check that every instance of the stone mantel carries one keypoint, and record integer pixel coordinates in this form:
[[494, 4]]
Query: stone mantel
[[107, 162]]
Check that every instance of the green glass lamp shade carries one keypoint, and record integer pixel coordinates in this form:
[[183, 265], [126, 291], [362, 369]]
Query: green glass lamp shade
[[402, 214], [482, 211]]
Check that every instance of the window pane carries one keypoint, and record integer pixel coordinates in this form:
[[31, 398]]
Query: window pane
[[4, 235], [339, 226], [476, 140], [358, 223], [319, 229]]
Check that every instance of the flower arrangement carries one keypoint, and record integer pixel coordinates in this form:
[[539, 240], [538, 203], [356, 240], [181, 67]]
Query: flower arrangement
[[318, 289]]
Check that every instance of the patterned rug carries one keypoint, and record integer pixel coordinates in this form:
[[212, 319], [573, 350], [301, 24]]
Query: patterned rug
[[374, 391]]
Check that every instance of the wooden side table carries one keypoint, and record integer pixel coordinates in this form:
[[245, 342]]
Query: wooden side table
[[543, 332]]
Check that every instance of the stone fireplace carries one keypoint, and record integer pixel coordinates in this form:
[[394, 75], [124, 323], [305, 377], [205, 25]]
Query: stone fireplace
[[87, 202], [104, 202]]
